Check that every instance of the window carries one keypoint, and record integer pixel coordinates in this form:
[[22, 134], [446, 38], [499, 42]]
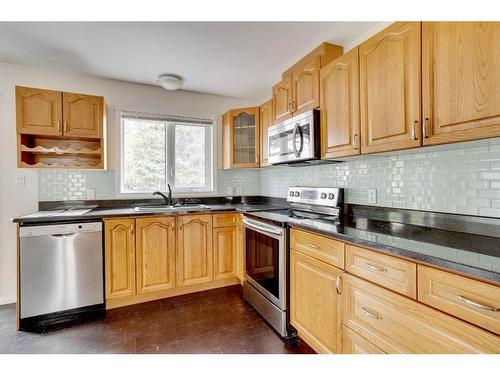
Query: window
[[160, 150]]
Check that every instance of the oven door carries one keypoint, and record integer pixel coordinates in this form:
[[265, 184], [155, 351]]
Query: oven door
[[265, 260]]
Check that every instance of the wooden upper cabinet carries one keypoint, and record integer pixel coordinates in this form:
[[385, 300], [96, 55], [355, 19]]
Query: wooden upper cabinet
[[266, 120], [315, 303], [82, 115], [241, 141], [38, 111], [339, 99], [461, 81], [194, 249], [305, 81], [120, 258], [389, 64], [155, 250], [282, 100]]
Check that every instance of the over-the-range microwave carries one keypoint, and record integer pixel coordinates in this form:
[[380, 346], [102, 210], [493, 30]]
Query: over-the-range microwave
[[295, 139]]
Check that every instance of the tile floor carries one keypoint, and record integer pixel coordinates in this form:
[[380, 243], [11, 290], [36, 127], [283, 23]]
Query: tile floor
[[215, 321]]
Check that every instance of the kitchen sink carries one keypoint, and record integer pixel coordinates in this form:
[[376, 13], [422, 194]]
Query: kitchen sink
[[184, 207]]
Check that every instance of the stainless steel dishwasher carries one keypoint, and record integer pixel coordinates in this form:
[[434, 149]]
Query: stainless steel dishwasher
[[61, 273]]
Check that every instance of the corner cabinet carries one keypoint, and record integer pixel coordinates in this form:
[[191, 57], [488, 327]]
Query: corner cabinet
[[120, 258], [460, 81], [241, 138], [340, 125], [389, 65], [194, 249]]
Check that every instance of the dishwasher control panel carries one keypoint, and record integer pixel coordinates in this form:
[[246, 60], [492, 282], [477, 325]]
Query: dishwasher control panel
[[54, 229]]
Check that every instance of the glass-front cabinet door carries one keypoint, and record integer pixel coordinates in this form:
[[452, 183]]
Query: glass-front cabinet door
[[240, 134]]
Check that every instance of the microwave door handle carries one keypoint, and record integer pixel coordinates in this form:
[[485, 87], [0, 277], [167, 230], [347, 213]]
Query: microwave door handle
[[296, 130]]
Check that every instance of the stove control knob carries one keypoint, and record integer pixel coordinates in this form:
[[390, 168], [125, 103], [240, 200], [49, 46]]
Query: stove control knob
[[331, 196], [291, 193], [297, 194], [323, 195]]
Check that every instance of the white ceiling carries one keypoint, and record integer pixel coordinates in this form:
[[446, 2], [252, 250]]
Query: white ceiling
[[239, 59]]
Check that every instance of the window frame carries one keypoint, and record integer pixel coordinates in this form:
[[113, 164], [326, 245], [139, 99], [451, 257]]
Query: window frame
[[210, 159]]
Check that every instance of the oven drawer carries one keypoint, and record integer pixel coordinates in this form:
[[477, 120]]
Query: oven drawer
[[397, 324], [319, 247], [225, 220], [390, 272], [470, 300]]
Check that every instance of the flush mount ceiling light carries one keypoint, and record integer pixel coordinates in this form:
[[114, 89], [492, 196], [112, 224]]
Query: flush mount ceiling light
[[170, 81]]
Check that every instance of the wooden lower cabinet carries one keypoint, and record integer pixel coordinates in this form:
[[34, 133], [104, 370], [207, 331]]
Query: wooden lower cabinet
[[120, 258], [396, 324], [224, 246], [315, 302], [155, 254], [194, 249], [352, 343]]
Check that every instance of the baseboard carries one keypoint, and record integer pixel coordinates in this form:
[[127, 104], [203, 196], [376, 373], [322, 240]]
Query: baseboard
[[7, 301], [132, 300]]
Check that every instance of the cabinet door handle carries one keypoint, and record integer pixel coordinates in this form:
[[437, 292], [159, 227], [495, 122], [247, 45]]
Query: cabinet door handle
[[478, 304], [314, 246], [414, 130], [426, 128], [65, 126], [338, 285], [376, 268], [59, 125], [131, 228], [370, 314], [354, 141]]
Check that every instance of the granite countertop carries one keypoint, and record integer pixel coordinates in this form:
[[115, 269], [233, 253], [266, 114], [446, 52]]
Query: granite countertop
[[469, 254], [100, 213]]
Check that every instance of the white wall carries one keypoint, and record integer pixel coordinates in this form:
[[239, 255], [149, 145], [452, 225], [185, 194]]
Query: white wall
[[15, 201]]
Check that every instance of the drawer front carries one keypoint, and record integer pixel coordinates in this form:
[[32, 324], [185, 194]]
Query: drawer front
[[390, 272], [318, 247], [225, 220], [397, 324], [352, 343], [470, 300]]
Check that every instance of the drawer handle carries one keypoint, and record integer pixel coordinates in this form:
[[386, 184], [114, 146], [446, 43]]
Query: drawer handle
[[370, 314], [338, 285], [312, 245], [477, 304], [376, 268]]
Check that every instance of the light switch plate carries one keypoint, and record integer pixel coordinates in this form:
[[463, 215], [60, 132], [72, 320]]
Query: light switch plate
[[90, 193], [20, 181], [372, 196]]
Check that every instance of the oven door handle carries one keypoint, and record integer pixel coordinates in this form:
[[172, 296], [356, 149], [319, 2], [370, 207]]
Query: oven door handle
[[254, 225]]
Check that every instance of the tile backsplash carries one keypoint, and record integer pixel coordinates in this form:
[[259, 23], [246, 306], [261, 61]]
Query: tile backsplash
[[461, 178]]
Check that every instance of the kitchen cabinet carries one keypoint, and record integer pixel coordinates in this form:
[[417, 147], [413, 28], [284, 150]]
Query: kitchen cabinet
[[119, 258], [224, 252], [298, 91], [241, 138], [390, 68], [59, 130], [460, 81], [315, 300], [194, 249], [155, 254], [319, 247], [82, 115], [339, 103], [396, 324], [352, 343], [38, 111], [266, 120]]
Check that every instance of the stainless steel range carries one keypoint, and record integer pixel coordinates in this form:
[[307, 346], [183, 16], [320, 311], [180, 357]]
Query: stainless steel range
[[267, 250]]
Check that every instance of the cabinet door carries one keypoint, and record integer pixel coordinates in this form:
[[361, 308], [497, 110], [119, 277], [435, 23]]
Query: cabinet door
[[389, 65], [227, 141], [83, 115], [352, 343], [461, 81], [245, 137], [266, 120], [306, 86], [155, 254], [282, 100], [120, 258], [315, 302], [194, 249], [340, 127], [224, 252], [38, 111]]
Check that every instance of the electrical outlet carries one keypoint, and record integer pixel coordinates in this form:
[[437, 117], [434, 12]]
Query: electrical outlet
[[20, 181], [90, 193], [372, 196]]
